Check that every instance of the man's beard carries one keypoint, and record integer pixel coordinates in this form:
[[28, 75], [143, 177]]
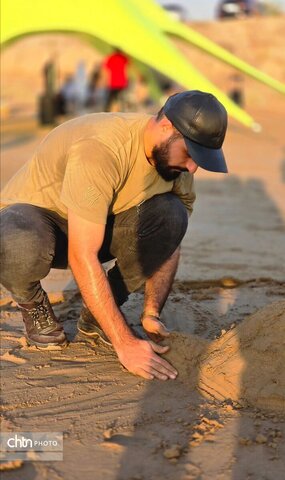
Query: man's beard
[[160, 155]]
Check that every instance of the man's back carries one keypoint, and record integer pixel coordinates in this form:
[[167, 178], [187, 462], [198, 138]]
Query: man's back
[[94, 164]]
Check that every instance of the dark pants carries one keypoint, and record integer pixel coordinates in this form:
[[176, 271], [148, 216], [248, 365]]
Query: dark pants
[[114, 95], [34, 240]]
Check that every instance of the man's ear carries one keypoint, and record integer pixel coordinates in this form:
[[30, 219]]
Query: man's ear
[[165, 124]]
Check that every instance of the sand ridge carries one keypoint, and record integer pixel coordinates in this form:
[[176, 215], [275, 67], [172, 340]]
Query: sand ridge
[[230, 367]]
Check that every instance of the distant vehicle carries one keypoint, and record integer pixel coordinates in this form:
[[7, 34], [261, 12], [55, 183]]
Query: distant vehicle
[[177, 12], [235, 8]]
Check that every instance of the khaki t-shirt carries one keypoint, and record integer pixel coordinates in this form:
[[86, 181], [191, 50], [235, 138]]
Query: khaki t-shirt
[[94, 165]]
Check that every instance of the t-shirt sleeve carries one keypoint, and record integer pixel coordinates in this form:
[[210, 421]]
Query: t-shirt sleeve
[[90, 180], [183, 187]]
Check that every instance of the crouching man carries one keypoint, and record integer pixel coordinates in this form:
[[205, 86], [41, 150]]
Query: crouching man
[[109, 186]]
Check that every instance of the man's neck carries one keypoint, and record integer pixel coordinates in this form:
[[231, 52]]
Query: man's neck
[[149, 138]]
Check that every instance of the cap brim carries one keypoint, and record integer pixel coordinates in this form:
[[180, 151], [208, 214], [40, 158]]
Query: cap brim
[[208, 158]]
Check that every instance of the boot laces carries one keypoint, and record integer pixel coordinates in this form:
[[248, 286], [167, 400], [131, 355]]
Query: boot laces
[[41, 317]]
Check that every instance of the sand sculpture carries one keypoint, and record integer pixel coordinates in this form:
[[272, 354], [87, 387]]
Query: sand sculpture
[[245, 365]]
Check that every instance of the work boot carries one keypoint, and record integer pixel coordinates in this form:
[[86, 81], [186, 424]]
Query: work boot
[[42, 327], [89, 326]]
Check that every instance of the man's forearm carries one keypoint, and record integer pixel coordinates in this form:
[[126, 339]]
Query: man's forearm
[[158, 286], [94, 286]]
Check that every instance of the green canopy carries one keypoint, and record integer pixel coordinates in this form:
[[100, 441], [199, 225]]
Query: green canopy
[[136, 26], [167, 24]]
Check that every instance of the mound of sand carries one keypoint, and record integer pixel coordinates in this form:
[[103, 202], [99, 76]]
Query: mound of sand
[[246, 364]]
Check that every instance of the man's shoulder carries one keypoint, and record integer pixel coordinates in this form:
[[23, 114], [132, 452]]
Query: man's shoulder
[[92, 122], [120, 126], [129, 117], [110, 132], [132, 122]]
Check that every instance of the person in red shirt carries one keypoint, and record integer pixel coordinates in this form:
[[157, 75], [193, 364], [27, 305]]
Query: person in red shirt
[[116, 69]]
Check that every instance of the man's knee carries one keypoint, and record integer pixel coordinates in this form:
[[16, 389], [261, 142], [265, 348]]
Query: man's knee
[[144, 238], [24, 249], [162, 225], [175, 217], [165, 217]]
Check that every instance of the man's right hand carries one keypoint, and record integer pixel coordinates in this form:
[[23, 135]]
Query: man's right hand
[[140, 357]]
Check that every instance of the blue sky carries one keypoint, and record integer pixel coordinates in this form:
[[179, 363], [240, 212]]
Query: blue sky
[[203, 9]]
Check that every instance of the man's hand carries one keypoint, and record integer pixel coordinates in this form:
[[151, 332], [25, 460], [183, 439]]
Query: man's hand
[[154, 328], [140, 357]]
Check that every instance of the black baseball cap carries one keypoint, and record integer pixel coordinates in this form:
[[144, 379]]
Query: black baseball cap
[[202, 120]]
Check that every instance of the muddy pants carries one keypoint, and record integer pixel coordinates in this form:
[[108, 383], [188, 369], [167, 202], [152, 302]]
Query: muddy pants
[[34, 240]]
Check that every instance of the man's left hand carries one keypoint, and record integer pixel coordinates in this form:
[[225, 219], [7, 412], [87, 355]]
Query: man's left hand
[[154, 328]]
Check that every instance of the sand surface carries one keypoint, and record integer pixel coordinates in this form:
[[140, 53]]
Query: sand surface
[[223, 418], [229, 368], [198, 426]]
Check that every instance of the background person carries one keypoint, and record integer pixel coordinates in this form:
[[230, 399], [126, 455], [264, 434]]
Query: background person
[[116, 69]]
